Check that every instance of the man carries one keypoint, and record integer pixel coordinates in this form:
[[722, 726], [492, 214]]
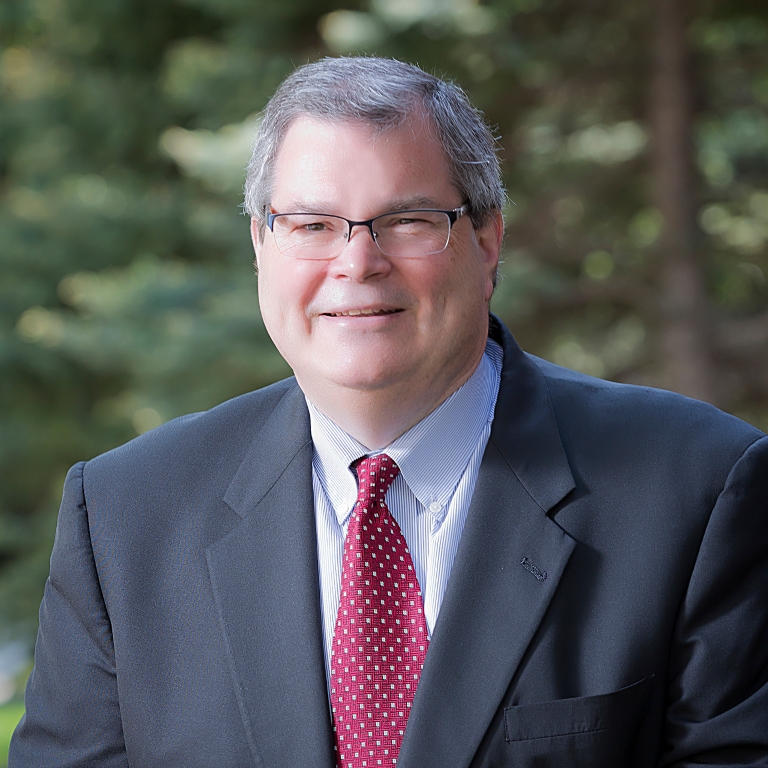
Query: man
[[428, 548]]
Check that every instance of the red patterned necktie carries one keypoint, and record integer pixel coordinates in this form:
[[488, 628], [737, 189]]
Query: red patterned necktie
[[380, 639]]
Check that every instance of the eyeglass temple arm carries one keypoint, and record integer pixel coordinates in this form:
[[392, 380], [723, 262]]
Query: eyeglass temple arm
[[457, 213]]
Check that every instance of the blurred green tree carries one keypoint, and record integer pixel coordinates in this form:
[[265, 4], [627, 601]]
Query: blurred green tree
[[634, 139], [128, 292]]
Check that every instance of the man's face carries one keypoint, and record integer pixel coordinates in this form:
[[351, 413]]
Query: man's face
[[429, 321]]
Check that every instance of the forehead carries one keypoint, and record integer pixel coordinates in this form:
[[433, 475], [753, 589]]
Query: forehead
[[354, 170]]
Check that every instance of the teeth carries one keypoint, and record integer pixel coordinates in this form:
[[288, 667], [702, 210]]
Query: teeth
[[364, 312]]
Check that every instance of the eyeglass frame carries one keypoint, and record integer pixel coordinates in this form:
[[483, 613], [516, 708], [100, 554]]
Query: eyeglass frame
[[453, 215]]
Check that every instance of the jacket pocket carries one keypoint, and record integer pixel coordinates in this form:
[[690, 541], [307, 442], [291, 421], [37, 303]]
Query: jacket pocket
[[566, 717], [587, 731]]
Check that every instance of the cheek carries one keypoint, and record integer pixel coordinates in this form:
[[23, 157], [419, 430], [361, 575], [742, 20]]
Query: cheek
[[285, 290], [272, 301], [268, 309], [461, 285]]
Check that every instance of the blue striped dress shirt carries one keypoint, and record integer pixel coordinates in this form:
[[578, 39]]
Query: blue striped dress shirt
[[439, 459]]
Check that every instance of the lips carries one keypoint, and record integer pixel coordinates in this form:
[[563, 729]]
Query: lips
[[362, 312]]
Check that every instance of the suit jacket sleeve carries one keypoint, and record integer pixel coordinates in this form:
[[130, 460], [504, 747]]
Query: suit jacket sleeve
[[72, 711], [718, 674]]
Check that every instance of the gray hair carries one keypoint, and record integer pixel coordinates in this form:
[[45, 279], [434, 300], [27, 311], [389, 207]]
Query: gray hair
[[383, 93]]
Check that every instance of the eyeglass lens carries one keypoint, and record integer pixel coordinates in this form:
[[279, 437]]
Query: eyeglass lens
[[404, 234]]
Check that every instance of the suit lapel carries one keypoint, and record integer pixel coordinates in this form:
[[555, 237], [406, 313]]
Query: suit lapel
[[507, 568], [265, 582]]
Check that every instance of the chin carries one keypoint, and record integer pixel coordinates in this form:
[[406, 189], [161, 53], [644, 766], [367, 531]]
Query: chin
[[361, 366], [364, 376], [364, 383]]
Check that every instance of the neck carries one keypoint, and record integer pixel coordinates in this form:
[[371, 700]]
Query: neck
[[377, 417]]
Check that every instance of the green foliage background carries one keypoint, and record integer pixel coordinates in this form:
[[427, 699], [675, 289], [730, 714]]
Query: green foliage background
[[127, 293]]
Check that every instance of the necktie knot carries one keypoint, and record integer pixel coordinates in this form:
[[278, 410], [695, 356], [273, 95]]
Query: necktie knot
[[374, 476]]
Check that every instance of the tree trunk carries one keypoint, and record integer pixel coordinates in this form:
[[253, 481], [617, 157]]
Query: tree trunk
[[686, 355]]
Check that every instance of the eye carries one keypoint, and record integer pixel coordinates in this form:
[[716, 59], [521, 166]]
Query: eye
[[407, 219], [309, 224]]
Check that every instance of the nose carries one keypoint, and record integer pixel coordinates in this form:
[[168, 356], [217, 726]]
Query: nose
[[361, 258]]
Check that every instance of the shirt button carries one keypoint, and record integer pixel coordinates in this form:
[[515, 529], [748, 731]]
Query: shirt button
[[435, 507]]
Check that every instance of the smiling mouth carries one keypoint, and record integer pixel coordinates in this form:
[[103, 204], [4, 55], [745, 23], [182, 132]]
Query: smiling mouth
[[362, 312]]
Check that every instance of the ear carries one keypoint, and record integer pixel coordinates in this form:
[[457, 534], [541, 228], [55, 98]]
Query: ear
[[256, 239], [489, 238]]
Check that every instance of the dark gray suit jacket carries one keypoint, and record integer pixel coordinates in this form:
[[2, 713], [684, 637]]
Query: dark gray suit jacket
[[608, 605]]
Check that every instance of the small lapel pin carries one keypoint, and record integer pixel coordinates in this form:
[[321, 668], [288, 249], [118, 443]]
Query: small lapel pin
[[531, 568]]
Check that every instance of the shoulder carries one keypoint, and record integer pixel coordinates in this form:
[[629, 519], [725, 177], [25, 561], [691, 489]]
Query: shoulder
[[657, 429], [195, 447]]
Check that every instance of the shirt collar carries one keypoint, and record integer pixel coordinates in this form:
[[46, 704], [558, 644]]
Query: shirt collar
[[334, 451], [438, 447]]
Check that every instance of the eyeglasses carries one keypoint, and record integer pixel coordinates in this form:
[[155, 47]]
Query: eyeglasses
[[402, 234]]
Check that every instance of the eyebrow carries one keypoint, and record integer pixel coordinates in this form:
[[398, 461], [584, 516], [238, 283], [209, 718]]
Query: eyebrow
[[393, 206], [306, 206], [410, 203]]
